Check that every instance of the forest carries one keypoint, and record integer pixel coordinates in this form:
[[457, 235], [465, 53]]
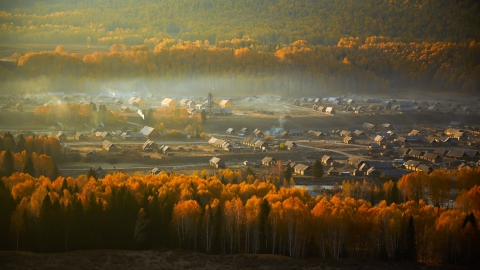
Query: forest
[[284, 47], [420, 218], [373, 65], [278, 21]]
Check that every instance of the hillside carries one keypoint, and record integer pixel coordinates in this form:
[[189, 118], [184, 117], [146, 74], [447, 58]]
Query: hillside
[[277, 21]]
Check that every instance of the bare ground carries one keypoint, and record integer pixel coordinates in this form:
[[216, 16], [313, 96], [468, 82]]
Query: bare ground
[[179, 259]]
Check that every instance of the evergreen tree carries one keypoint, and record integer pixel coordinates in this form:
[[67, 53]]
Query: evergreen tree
[[394, 194], [263, 223], [7, 206], [64, 184], [29, 168], [204, 116], [8, 167], [288, 172], [92, 173], [20, 146], [317, 169], [411, 247], [45, 224], [372, 197]]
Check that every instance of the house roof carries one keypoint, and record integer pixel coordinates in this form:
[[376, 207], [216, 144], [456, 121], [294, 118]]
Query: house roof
[[302, 167], [146, 130], [412, 163], [215, 160], [268, 159]]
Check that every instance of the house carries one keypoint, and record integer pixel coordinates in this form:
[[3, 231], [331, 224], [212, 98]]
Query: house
[[344, 133], [359, 134], [373, 146], [132, 136], [290, 145], [61, 136], [332, 172], [373, 172], [424, 168], [109, 146], [380, 140], [225, 104], [168, 102], [327, 160], [432, 157], [315, 134], [302, 169], [79, 136], [230, 131], [414, 133], [243, 131], [149, 145], [295, 132], [457, 154], [357, 172], [149, 132], [258, 133], [368, 126], [118, 101], [165, 149], [100, 171], [330, 110], [217, 163], [416, 153], [269, 161], [349, 140], [411, 165], [154, 171], [136, 101], [355, 161]]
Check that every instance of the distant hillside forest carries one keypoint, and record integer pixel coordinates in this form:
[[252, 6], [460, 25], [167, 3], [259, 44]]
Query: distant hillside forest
[[277, 21], [277, 46], [357, 66]]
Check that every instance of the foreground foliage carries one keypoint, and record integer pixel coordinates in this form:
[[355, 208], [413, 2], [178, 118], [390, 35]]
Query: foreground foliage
[[202, 213]]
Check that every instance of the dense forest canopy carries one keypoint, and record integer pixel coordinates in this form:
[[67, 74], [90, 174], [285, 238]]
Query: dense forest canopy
[[277, 21], [281, 46]]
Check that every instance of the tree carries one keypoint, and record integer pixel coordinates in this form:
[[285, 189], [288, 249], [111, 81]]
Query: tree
[[411, 246], [317, 169], [204, 116], [92, 173], [8, 167], [265, 209], [288, 172], [29, 168]]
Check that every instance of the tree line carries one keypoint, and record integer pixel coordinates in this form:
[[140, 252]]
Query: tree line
[[231, 212], [279, 21], [372, 65]]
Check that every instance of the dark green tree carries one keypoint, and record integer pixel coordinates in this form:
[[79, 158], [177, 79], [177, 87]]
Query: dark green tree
[[411, 246], [288, 172], [56, 172], [20, 145], [265, 209], [8, 167], [7, 206], [92, 173], [203, 114], [317, 169], [29, 168]]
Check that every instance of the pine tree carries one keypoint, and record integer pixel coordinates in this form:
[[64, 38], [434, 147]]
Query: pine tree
[[56, 173], [317, 169], [64, 184], [29, 168], [411, 247], [92, 173], [8, 167], [265, 209], [204, 116], [20, 146], [7, 206], [288, 172], [394, 194]]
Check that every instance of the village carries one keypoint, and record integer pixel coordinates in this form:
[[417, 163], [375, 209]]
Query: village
[[354, 138]]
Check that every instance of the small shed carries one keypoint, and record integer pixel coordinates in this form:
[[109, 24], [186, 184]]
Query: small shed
[[217, 163]]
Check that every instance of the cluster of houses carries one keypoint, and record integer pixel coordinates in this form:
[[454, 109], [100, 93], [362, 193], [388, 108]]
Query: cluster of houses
[[357, 105]]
